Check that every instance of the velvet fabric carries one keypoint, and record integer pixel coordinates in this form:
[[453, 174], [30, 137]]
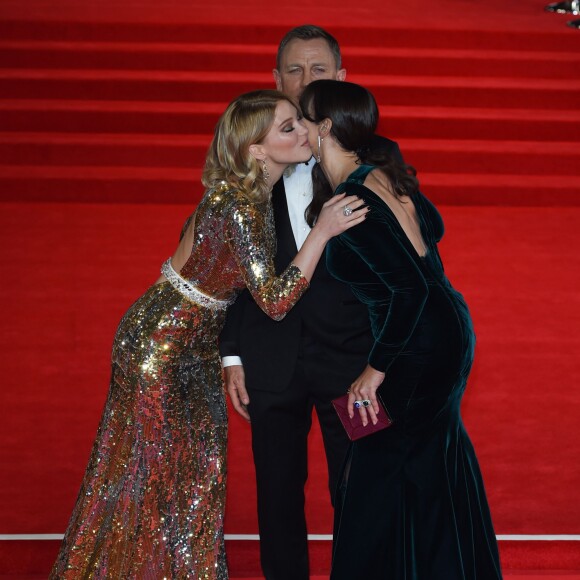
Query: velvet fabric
[[411, 505]]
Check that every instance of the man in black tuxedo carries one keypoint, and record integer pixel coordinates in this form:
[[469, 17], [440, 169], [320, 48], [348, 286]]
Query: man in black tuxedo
[[277, 371]]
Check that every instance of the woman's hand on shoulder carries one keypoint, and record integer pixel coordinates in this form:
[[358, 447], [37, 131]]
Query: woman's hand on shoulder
[[339, 214], [362, 390]]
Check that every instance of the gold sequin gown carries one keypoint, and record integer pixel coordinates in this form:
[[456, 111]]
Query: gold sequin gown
[[152, 501]]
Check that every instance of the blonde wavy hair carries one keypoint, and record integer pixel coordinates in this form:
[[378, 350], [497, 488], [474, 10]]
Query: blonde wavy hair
[[245, 122]]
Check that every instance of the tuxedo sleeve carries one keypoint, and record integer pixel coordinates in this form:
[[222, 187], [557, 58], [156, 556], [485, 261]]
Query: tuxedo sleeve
[[229, 344]]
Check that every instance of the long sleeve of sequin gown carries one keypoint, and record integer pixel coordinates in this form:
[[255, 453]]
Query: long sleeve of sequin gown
[[151, 504], [419, 479]]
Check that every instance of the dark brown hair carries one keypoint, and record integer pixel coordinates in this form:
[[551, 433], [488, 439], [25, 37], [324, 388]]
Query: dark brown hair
[[355, 115]]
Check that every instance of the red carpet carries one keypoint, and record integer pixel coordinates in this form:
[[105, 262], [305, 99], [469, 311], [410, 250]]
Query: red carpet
[[110, 110], [519, 575]]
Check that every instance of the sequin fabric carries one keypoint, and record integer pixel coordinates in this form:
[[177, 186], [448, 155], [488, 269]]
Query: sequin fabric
[[190, 291], [151, 505]]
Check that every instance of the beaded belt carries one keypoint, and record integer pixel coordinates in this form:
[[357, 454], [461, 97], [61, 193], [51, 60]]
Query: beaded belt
[[190, 292]]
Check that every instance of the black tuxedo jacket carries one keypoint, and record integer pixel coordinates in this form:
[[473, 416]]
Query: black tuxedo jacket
[[328, 312]]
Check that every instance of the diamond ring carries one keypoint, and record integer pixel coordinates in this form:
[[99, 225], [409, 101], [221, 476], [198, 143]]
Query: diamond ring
[[346, 210]]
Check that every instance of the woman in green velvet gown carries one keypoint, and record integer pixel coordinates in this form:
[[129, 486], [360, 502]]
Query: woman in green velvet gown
[[412, 503]]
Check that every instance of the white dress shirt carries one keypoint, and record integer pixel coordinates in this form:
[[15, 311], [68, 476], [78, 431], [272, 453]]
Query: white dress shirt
[[298, 186]]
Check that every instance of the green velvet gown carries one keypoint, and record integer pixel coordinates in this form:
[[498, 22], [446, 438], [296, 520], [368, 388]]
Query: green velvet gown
[[412, 504]]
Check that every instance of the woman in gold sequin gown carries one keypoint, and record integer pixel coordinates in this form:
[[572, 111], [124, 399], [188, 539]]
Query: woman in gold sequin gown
[[151, 504]]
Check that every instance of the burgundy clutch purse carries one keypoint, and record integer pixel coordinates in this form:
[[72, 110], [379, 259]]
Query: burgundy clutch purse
[[354, 427]]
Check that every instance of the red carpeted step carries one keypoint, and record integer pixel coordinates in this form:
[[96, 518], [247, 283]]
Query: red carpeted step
[[139, 55], [181, 185], [195, 86], [109, 117], [183, 32], [507, 190], [189, 151], [492, 157], [85, 149], [481, 62], [216, 56], [479, 123], [100, 184], [196, 118]]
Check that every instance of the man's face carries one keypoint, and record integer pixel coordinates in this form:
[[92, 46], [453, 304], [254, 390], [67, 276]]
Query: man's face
[[304, 61]]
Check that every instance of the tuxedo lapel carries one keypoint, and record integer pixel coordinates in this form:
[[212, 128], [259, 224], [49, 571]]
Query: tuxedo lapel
[[284, 234]]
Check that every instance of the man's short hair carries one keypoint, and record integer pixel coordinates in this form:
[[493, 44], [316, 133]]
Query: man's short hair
[[309, 32]]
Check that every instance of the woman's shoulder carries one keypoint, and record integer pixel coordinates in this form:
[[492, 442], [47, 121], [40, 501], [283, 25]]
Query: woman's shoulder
[[220, 192], [232, 202], [364, 180], [223, 195]]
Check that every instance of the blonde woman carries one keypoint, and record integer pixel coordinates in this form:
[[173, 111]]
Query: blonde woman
[[151, 504]]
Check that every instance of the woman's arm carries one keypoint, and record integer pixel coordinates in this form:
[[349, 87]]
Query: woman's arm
[[247, 234], [331, 222], [402, 286]]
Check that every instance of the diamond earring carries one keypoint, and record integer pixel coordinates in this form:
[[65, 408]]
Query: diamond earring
[[320, 140]]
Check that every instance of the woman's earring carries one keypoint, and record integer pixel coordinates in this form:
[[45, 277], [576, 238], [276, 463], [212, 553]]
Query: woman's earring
[[320, 140], [265, 171]]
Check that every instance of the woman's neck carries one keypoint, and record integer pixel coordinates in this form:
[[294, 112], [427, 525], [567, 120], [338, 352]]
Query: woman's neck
[[338, 165], [276, 172]]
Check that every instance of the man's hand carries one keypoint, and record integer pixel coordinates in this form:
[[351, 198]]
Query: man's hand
[[236, 387]]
